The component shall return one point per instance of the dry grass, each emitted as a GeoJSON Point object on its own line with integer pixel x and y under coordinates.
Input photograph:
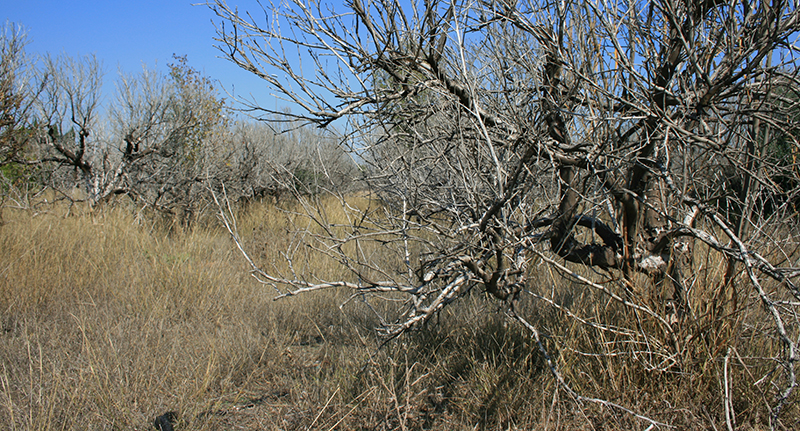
{"type": "Point", "coordinates": [108, 321]}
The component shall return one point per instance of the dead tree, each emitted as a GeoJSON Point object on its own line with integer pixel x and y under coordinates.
{"type": "Point", "coordinates": [590, 137]}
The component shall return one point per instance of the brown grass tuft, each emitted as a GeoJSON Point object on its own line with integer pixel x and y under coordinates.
{"type": "Point", "coordinates": [109, 321]}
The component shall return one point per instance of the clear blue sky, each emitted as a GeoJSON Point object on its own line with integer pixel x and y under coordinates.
{"type": "Point", "coordinates": [127, 34]}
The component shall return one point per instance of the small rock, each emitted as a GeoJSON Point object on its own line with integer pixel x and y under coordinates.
{"type": "Point", "coordinates": [164, 422]}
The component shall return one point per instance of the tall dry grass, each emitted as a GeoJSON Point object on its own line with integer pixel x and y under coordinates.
{"type": "Point", "coordinates": [107, 322]}
{"type": "Point", "coordinates": [110, 319]}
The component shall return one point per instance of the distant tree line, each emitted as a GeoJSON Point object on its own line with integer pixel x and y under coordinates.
{"type": "Point", "coordinates": [163, 139]}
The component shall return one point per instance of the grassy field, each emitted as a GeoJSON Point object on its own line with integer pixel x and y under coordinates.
{"type": "Point", "coordinates": [110, 319]}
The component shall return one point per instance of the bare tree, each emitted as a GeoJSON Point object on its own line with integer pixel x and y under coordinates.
{"type": "Point", "coordinates": [161, 140]}
{"type": "Point", "coordinates": [68, 115]}
{"type": "Point", "coordinates": [153, 143]}
{"type": "Point", "coordinates": [605, 140]}
{"type": "Point", "coordinates": [265, 160]}
{"type": "Point", "coordinates": [174, 130]}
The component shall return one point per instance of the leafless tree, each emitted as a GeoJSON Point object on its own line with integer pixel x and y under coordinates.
{"type": "Point", "coordinates": [173, 131]}
{"type": "Point", "coordinates": [151, 143]}
{"type": "Point", "coordinates": [283, 158]}
{"type": "Point", "coordinates": [607, 141]}
{"type": "Point", "coordinates": [161, 140]}
{"type": "Point", "coordinates": [68, 115]}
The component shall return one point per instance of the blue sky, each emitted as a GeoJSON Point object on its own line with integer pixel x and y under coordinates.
{"type": "Point", "coordinates": [127, 34]}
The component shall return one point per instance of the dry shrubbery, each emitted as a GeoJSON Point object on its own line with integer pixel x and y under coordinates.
{"type": "Point", "coordinates": [580, 215]}
{"type": "Point", "coordinates": [619, 178]}
{"type": "Point", "coordinates": [109, 321]}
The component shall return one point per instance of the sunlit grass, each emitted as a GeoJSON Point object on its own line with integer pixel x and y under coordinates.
{"type": "Point", "coordinates": [109, 320]}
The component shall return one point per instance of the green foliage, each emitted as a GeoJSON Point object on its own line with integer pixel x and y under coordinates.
{"type": "Point", "coordinates": [782, 148]}
{"type": "Point", "coordinates": [15, 174]}
{"type": "Point", "coordinates": [14, 132]}
{"type": "Point", "coordinates": [305, 179]}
